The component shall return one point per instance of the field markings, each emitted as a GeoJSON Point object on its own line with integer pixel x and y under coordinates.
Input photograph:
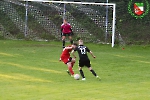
{"type": "Point", "coordinates": [31, 68]}
{"type": "Point", "coordinates": [22, 78]}
{"type": "Point", "coordinates": [142, 61]}
{"type": "Point", "coordinates": [146, 62]}
{"type": "Point", "coordinates": [30, 51]}
{"type": "Point", "coordinates": [34, 68]}
{"type": "Point", "coordinates": [127, 56]}
{"type": "Point", "coordinates": [6, 54]}
{"type": "Point", "coordinates": [9, 55]}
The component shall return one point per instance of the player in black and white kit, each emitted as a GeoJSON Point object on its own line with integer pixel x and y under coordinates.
{"type": "Point", "coordinates": [83, 59]}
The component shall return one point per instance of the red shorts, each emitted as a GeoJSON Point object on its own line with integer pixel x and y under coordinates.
{"type": "Point", "coordinates": [66, 59]}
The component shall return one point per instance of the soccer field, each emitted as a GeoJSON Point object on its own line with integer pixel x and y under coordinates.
{"type": "Point", "coordinates": [30, 70]}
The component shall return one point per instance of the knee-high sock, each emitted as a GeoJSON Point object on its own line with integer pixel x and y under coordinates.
{"type": "Point", "coordinates": [71, 41]}
{"type": "Point", "coordinates": [63, 43]}
{"type": "Point", "coordinates": [93, 72]}
{"type": "Point", "coordinates": [72, 64]}
{"type": "Point", "coordinates": [71, 70]}
{"type": "Point", "coordinates": [82, 74]}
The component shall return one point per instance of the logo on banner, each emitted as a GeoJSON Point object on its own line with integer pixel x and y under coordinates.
{"type": "Point", "coordinates": [138, 9]}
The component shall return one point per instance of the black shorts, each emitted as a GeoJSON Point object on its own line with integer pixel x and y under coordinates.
{"type": "Point", "coordinates": [83, 63]}
{"type": "Point", "coordinates": [69, 60]}
{"type": "Point", "coordinates": [67, 34]}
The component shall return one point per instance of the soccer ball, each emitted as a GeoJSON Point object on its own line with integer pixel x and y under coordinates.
{"type": "Point", "coordinates": [76, 76]}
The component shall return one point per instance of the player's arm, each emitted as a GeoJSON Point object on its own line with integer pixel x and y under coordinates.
{"type": "Point", "coordinates": [61, 31]}
{"type": "Point", "coordinates": [59, 59]}
{"type": "Point", "coordinates": [68, 48]}
{"type": "Point", "coordinates": [92, 54]}
{"type": "Point", "coordinates": [88, 50]}
{"type": "Point", "coordinates": [71, 31]}
{"type": "Point", "coordinates": [73, 53]}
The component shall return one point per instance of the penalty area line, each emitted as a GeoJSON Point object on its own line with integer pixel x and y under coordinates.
{"type": "Point", "coordinates": [22, 77]}
{"type": "Point", "coordinates": [30, 67]}
{"type": "Point", "coordinates": [142, 61]}
{"type": "Point", "coordinates": [127, 56]}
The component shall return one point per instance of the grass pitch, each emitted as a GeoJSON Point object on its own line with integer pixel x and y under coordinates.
{"type": "Point", "coordinates": [30, 70]}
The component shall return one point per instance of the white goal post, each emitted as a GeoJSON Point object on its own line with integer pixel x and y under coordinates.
{"type": "Point", "coordinates": [88, 3]}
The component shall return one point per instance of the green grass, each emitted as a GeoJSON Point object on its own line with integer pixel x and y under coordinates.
{"type": "Point", "coordinates": [30, 70]}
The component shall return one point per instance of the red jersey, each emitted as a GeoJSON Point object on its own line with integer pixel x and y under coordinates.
{"type": "Point", "coordinates": [65, 55]}
{"type": "Point", "coordinates": [66, 52]}
{"type": "Point", "coordinates": [66, 28]}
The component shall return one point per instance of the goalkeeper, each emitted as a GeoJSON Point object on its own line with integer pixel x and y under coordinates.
{"type": "Point", "coordinates": [66, 31]}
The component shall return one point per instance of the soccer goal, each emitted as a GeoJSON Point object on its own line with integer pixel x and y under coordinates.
{"type": "Point", "coordinates": [87, 19]}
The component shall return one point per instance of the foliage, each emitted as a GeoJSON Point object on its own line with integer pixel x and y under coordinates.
{"type": "Point", "coordinates": [8, 24]}
{"type": "Point", "coordinates": [132, 30]}
{"type": "Point", "coordinates": [32, 23]}
{"type": "Point", "coordinates": [1, 35]}
{"type": "Point", "coordinates": [85, 21]}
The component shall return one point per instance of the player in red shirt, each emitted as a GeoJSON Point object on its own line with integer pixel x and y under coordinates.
{"type": "Point", "coordinates": [65, 57]}
{"type": "Point", "coordinates": [66, 31]}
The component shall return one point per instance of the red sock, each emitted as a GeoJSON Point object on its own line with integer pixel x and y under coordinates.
{"type": "Point", "coordinates": [71, 71]}
{"type": "Point", "coordinates": [72, 64]}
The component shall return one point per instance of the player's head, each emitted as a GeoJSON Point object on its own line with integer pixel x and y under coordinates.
{"type": "Point", "coordinates": [65, 21]}
{"type": "Point", "coordinates": [74, 45]}
{"type": "Point", "coordinates": [80, 42]}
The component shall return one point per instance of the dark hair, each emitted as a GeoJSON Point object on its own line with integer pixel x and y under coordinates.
{"type": "Point", "coordinates": [75, 44]}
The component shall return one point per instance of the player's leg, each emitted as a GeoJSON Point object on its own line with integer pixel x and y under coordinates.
{"type": "Point", "coordinates": [92, 71]}
{"type": "Point", "coordinates": [70, 38]}
{"type": "Point", "coordinates": [81, 73]}
{"type": "Point", "coordinates": [70, 68]}
{"type": "Point", "coordinates": [81, 64]}
{"type": "Point", "coordinates": [88, 64]}
{"type": "Point", "coordinates": [73, 62]}
{"type": "Point", "coordinates": [69, 64]}
{"type": "Point", "coordinates": [67, 61]}
{"type": "Point", "coordinates": [63, 39]}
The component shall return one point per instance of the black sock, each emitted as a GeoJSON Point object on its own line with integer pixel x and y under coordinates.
{"type": "Point", "coordinates": [93, 72]}
{"type": "Point", "coordinates": [71, 41]}
{"type": "Point", "coordinates": [63, 43]}
{"type": "Point", "coordinates": [82, 74]}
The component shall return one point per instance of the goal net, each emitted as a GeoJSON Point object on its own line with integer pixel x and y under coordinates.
{"type": "Point", "coordinates": [41, 19]}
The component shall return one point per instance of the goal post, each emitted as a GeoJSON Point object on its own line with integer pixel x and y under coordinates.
{"type": "Point", "coordinates": [113, 6]}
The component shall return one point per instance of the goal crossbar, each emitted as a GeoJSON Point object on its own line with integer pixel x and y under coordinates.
{"type": "Point", "coordinates": [75, 2]}
{"type": "Point", "coordinates": [88, 3]}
